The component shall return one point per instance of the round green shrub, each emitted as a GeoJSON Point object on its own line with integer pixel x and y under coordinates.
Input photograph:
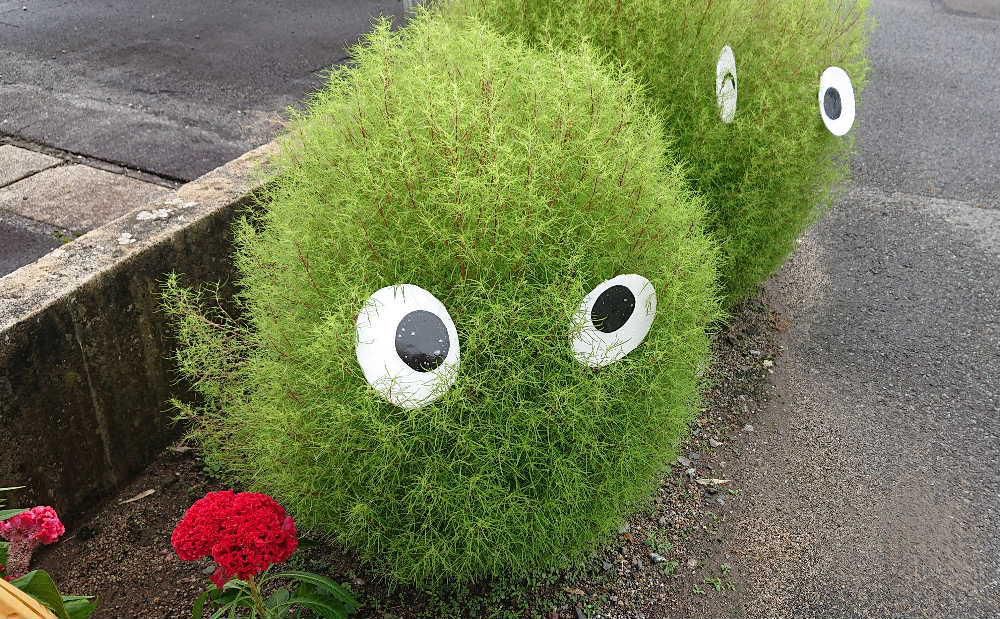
{"type": "Point", "coordinates": [767, 175]}
{"type": "Point", "coordinates": [509, 183]}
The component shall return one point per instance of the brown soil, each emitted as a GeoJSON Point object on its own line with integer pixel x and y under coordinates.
{"type": "Point", "coordinates": [664, 563]}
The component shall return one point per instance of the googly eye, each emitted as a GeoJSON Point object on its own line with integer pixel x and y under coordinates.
{"type": "Point", "coordinates": [836, 101]}
{"type": "Point", "coordinates": [726, 86]}
{"type": "Point", "coordinates": [407, 345]}
{"type": "Point", "coordinates": [613, 320]}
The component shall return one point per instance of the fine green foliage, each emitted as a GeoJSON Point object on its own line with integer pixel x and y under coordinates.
{"type": "Point", "coordinates": [509, 183]}
{"type": "Point", "coordinates": [771, 172]}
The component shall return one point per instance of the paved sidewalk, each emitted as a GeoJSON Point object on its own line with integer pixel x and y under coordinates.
{"type": "Point", "coordinates": [19, 245]}
{"type": "Point", "coordinates": [46, 200]}
{"type": "Point", "coordinates": [170, 89]}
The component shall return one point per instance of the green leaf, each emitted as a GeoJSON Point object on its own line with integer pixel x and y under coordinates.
{"type": "Point", "coordinates": [198, 611]}
{"type": "Point", "coordinates": [39, 585]}
{"type": "Point", "coordinates": [4, 554]}
{"type": "Point", "coordinates": [10, 513]}
{"type": "Point", "coordinates": [79, 607]}
{"type": "Point", "coordinates": [238, 585]}
{"type": "Point", "coordinates": [320, 607]}
{"type": "Point", "coordinates": [324, 584]}
{"type": "Point", "coordinates": [279, 597]}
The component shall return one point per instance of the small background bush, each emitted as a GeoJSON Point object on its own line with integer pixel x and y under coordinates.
{"type": "Point", "coordinates": [509, 183]}
{"type": "Point", "coordinates": [768, 174]}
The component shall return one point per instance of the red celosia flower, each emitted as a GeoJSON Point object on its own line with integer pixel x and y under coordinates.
{"type": "Point", "coordinates": [26, 532]}
{"type": "Point", "coordinates": [245, 533]}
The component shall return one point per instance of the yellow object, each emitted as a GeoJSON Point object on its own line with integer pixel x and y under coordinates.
{"type": "Point", "coordinates": [16, 604]}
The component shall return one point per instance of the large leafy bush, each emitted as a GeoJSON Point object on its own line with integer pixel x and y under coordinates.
{"type": "Point", "coordinates": [509, 183]}
{"type": "Point", "coordinates": [767, 175]}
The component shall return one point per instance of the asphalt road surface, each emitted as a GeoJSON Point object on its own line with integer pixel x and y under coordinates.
{"type": "Point", "coordinates": [871, 486]}
{"type": "Point", "coordinates": [174, 88]}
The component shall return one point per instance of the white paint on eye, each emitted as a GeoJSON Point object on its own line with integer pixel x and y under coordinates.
{"type": "Point", "coordinates": [839, 81]}
{"type": "Point", "coordinates": [726, 84]}
{"type": "Point", "coordinates": [596, 349]}
{"type": "Point", "coordinates": [384, 370]}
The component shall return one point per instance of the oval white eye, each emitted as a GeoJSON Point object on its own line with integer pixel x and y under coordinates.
{"type": "Point", "coordinates": [613, 320]}
{"type": "Point", "coordinates": [726, 86]}
{"type": "Point", "coordinates": [836, 100]}
{"type": "Point", "coordinates": [407, 345]}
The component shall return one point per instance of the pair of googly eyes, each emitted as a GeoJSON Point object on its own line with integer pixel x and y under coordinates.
{"type": "Point", "coordinates": [836, 94]}
{"type": "Point", "coordinates": [408, 346]}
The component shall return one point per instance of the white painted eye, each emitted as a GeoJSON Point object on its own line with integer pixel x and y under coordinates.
{"type": "Point", "coordinates": [613, 320]}
{"type": "Point", "coordinates": [407, 345]}
{"type": "Point", "coordinates": [726, 86]}
{"type": "Point", "coordinates": [836, 100]}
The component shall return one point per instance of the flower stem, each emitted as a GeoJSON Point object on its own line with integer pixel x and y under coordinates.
{"type": "Point", "coordinates": [258, 599]}
{"type": "Point", "coordinates": [19, 558]}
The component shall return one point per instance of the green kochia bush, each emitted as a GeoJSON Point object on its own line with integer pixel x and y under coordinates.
{"type": "Point", "coordinates": [509, 183]}
{"type": "Point", "coordinates": [768, 174]}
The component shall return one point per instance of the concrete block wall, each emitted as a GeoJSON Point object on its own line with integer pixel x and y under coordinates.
{"type": "Point", "coordinates": [85, 354]}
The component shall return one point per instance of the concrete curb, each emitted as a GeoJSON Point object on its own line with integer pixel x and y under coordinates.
{"type": "Point", "coordinates": [85, 356]}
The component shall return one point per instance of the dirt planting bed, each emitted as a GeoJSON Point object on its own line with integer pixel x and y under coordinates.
{"type": "Point", "coordinates": [665, 562]}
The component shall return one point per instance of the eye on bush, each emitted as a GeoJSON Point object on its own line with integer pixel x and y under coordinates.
{"type": "Point", "coordinates": [768, 173]}
{"type": "Point", "coordinates": [508, 184]}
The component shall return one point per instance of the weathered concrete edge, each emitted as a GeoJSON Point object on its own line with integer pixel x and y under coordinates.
{"type": "Point", "coordinates": [85, 354]}
{"type": "Point", "coordinates": [31, 289]}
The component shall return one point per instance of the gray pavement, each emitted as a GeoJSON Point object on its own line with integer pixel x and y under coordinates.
{"type": "Point", "coordinates": [173, 88]}
{"type": "Point", "coordinates": [47, 200]}
{"type": "Point", "coordinates": [22, 242]}
{"type": "Point", "coordinates": [871, 487]}
{"type": "Point", "coordinates": [77, 198]}
{"type": "Point", "coordinates": [931, 118]}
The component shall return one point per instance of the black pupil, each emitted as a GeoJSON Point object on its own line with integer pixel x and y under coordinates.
{"type": "Point", "coordinates": [422, 341]}
{"type": "Point", "coordinates": [612, 309]}
{"type": "Point", "coordinates": [831, 103]}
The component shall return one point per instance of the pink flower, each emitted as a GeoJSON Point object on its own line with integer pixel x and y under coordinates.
{"type": "Point", "coordinates": [26, 532]}
{"type": "Point", "coordinates": [38, 524]}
